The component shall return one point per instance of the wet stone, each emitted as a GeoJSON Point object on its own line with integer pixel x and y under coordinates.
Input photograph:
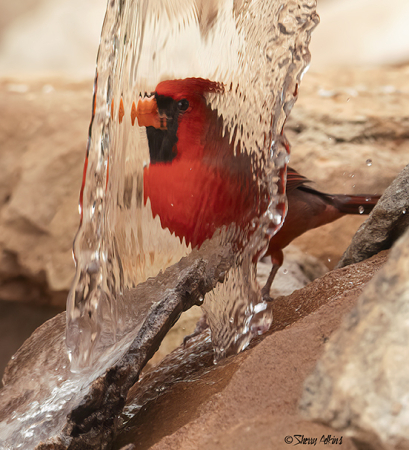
{"type": "Point", "coordinates": [387, 222]}
{"type": "Point", "coordinates": [360, 384]}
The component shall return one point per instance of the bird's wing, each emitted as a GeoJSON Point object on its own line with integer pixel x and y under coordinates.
{"type": "Point", "coordinates": [295, 180]}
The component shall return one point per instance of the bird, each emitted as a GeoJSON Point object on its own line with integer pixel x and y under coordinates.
{"type": "Point", "coordinates": [197, 181]}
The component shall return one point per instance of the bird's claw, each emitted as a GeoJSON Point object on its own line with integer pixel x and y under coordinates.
{"type": "Point", "coordinates": [265, 295]}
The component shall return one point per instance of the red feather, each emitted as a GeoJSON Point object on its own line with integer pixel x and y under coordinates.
{"type": "Point", "coordinates": [205, 186]}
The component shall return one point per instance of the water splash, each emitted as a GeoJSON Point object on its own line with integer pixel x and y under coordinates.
{"type": "Point", "coordinates": [143, 206]}
{"type": "Point", "coordinates": [40, 390]}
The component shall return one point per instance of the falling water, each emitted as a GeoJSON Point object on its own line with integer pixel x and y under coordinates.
{"type": "Point", "coordinates": [145, 203]}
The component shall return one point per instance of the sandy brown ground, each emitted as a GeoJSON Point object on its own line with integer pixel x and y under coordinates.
{"type": "Point", "coordinates": [249, 400]}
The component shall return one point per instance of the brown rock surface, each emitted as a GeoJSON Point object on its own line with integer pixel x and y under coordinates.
{"type": "Point", "coordinates": [250, 400]}
{"type": "Point", "coordinates": [360, 385]}
{"type": "Point", "coordinates": [388, 221]}
{"type": "Point", "coordinates": [43, 136]}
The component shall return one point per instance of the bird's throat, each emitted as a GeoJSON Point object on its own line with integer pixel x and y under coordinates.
{"type": "Point", "coordinates": [162, 145]}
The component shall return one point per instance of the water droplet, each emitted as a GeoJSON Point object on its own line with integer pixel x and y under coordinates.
{"type": "Point", "coordinates": [369, 162]}
{"type": "Point", "coordinates": [404, 211]}
{"type": "Point", "coordinates": [281, 158]}
{"type": "Point", "coordinates": [285, 271]}
{"type": "Point", "coordinates": [329, 259]}
{"type": "Point", "coordinates": [275, 217]}
{"type": "Point", "coordinates": [361, 210]}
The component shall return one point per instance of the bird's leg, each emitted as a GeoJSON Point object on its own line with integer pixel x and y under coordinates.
{"type": "Point", "coordinates": [277, 258]}
{"type": "Point", "coordinates": [265, 290]}
{"type": "Point", "coordinates": [201, 325]}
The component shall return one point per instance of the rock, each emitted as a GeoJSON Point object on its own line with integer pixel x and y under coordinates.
{"type": "Point", "coordinates": [249, 400]}
{"type": "Point", "coordinates": [174, 338]}
{"type": "Point", "coordinates": [360, 385]}
{"type": "Point", "coordinates": [43, 142]}
{"type": "Point", "coordinates": [349, 129]}
{"type": "Point", "coordinates": [387, 222]}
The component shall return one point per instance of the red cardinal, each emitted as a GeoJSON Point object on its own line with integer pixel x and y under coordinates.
{"type": "Point", "coordinates": [196, 183]}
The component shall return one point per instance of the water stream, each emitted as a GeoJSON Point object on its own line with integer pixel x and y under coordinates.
{"type": "Point", "coordinates": [185, 143]}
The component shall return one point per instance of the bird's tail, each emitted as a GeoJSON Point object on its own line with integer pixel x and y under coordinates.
{"type": "Point", "coordinates": [347, 204]}
{"type": "Point", "coordinates": [354, 204]}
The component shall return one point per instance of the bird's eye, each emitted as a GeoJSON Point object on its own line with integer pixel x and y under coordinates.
{"type": "Point", "coordinates": [183, 105]}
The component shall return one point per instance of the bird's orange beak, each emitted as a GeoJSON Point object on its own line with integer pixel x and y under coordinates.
{"type": "Point", "coordinates": [147, 113]}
